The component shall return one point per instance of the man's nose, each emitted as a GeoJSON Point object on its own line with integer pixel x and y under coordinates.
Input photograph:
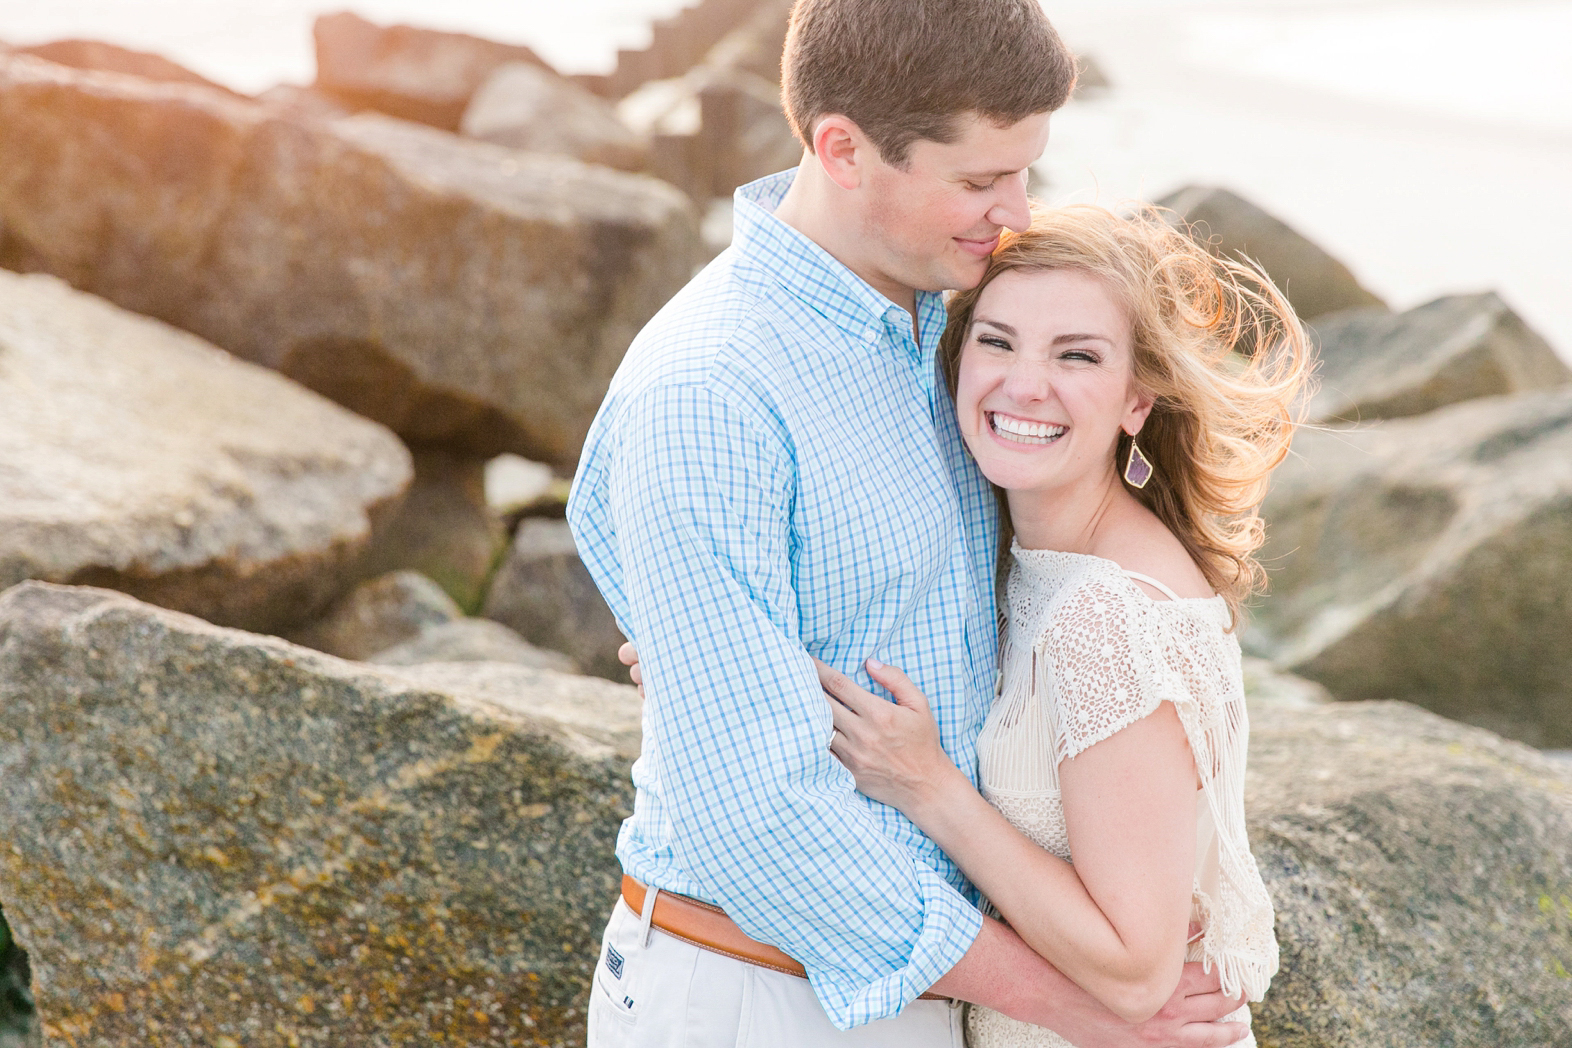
{"type": "Point", "coordinates": [1010, 208]}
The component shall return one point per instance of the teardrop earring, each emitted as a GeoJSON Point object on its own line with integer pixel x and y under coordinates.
{"type": "Point", "coordinates": [1137, 469]}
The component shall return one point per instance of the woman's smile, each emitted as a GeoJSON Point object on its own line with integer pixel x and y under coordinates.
{"type": "Point", "coordinates": [1015, 430]}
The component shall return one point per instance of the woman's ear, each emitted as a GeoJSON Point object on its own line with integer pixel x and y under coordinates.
{"type": "Point", "coordinates": [1136, 414]}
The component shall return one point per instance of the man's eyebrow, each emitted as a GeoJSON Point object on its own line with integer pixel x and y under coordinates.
{"type": "Point", "coordinates": [1007, 329]}
{"type": "Point", "coordinates": [978, 176]}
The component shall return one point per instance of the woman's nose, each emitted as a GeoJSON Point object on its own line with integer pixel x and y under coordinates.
{"type": "Point", "coordinates": [1029, 382]}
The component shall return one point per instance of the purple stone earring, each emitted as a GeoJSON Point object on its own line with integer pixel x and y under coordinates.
{"type": "Point", "coordinates": [1137, 470]}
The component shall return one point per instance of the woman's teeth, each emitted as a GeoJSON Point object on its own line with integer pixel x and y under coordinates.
{"type": "Point", "coordinates": [1024, 432]}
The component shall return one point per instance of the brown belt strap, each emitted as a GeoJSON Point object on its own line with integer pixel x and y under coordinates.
{"type": "Point", "coordinates": [707, 927]}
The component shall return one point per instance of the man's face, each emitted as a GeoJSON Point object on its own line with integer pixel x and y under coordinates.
{"type": "Point", "coordinates": [932, 225]}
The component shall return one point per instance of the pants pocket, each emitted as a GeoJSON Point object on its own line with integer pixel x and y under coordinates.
{"type": "Point", "coordinates": [618, 990]}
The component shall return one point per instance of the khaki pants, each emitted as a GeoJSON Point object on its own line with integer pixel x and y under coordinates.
{"type": "Point", "coordinates": [655, 991]}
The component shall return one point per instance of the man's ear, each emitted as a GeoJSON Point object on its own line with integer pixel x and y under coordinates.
{"type": "Point", "coordinates": [842, 150]}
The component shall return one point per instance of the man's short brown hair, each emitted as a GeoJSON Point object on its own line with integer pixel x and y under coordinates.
{"type": "Point", "coordinates": [905, 70]}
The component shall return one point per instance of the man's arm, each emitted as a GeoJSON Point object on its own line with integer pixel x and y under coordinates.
{"type": "Point", "coordinates": [761, 815]}
{"type": "Point", "coordinates": [1003, 973]}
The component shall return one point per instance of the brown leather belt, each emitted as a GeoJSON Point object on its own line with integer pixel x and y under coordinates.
{"type": "Point", "coordinates": [707, 927]}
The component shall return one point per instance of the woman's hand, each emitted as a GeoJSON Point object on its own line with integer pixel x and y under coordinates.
{"type": "Point", "coordinates": [891, 748]}
{"type": "Point", "coordinates": [628, 655]}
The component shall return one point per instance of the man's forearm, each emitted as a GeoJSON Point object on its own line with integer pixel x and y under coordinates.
{"type": "Point", "coordinates": [1001, 972]}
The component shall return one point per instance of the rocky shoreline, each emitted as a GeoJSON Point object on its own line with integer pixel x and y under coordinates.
{"type": "Point", "coordinates": [314, 731]}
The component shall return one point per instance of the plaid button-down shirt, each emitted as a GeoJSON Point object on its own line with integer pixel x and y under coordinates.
{"type": "Point", "coordinates": [776, 471]}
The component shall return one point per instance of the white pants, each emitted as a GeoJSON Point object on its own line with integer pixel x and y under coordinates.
{"type": "Point", "coordinates": [655, 991]}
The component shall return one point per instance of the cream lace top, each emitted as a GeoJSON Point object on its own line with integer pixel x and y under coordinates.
{"type": "Point", "coordinates": [1086, 653]}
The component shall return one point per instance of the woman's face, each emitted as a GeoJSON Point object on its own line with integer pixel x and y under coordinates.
{"type": "Point", "coordinates": [1046, 380]}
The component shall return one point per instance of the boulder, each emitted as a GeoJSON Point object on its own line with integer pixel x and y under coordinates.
{"type": "Point", "coordinates": [523, 106]}
{"type": "Point", "coordinates": [1427, 559]}
{"type": "Point", "coordinates": [1376, 364]}
{"type": "Point", "coordinates": [686, 38]}
{"type": "Point", "coordinates": [1421, 872]}
{"type": "Point", "coordinates": [139, 457]}
{"type": "Point", "coordinates": [445, 529]}
{"type": "Point", "coordinates": [713, 117]}
{"type": "Point", "coordinates": [472, 640]}
{"type": "Point", "coordinates": [1313, 281]}
{"type": "Point", "coordinates": [219, 838]}
{"type": "Point", "coordinates": [514, 484]}
{"type": "Point", "coordinates": [713, 129]}
{"type": "Point", "coordinates": [467, 295]}
{"type": "Point", "coordinates": [545, 594]}
{"type": "Point", "coordinates": [111, 58]}
{"type": "Point", "coordinates": [416, 74]}
{"type": "Point", "coordinates": [380, 614]}
{"type": "Point", "coordinates": [302, 103]}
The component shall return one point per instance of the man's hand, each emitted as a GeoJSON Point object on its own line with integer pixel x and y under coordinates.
{"type": "Point", "coordinates": [1188, 1020]}
{"type": "Point", "coordinates": [1001, 972]}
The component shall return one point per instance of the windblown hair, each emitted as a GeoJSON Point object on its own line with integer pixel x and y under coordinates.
{"type": "Point", "coordinates": [1218, 348]}
{"type": "Point", "coordinates": [904, 70]}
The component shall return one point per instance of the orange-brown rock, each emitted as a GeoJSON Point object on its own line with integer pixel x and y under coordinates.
{"type": "Point", "coordinates": [464, 294]}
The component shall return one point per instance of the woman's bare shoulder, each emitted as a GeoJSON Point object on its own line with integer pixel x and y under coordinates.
{"type": "Point", "coordinates": [1138, 541]}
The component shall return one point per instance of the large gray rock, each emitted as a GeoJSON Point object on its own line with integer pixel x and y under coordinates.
{"type": "Point", "coordinates": [1376, 364]}
{"type": "Point", "coordinates": [379, 614]}
{"type": "Point", "coordinates": [545, 594]}
{"type": "Point", "coordinates": [1422, 875]}
{"type": "Point", "coordinates": [524, 106]}
{"type": "Point", "coordinates": [472, 640]}
{"type": "Point", "coordinates": [1313, 281]}
{"type": "Point", "coordinates": [417, 74]}
{"type": "Point", "coordinates": [464, 294]}
{"type": "Point", "coordinates": [136, 456]}
{"type": "Point", "coordinates": [216, 838]}
{"type": "Point", "coordinates": [1428, 559]}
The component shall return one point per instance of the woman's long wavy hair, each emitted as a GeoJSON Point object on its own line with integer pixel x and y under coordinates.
{"type": "Point", "coordinates": [1217, 347]}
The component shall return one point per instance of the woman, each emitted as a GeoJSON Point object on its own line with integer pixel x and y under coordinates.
{"type": "Point", "coordinates": [1128, 395]}
{"type": "Point", "coordinates": [1098, 385]}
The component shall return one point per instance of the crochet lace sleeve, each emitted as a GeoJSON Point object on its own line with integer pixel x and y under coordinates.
{"type": "Point", "coordinates": [1098, 652]}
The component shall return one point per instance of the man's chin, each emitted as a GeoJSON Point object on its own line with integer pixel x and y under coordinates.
{"type": "Point", "coordinates": [966, 274]}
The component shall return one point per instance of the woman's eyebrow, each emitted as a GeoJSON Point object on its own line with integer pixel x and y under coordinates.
{"type": "Point", "coordinates": [1058, 339]}
{"type": "Point", "coordinates": [1007, 329]}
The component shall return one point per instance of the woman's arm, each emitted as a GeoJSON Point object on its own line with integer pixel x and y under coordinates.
{"type": "Point", "coordinates": [1115, 922]}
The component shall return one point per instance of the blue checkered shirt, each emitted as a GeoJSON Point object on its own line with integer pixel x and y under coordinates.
{"type": "Point", "coordinates": [776, 472]}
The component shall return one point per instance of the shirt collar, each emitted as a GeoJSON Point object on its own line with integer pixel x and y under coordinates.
{"type": "Point", "coordinates": [817, 278]}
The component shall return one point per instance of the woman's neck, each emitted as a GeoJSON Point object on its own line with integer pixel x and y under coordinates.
{"type": "Point", "coordinates": [1070, 519]}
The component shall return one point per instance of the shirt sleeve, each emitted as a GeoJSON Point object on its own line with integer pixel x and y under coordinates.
{"type": "Point", "coordinates": [762, 815]}
{"type": "Point", "coordinates": [1105, 664]}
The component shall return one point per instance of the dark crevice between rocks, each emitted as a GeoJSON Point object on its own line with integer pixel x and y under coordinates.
{"type": "Point", "coordinates": [18, 1015]}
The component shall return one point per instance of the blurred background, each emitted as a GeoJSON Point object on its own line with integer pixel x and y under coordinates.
{"type": "Point", "coordinates": [1427, 144]}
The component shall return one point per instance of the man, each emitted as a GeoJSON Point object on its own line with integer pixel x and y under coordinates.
{"type": "Point", "coordinates": [776, 473]}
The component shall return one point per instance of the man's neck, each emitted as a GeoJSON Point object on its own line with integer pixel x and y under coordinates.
{"type": "Point", "coordinates": [811, 208]}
